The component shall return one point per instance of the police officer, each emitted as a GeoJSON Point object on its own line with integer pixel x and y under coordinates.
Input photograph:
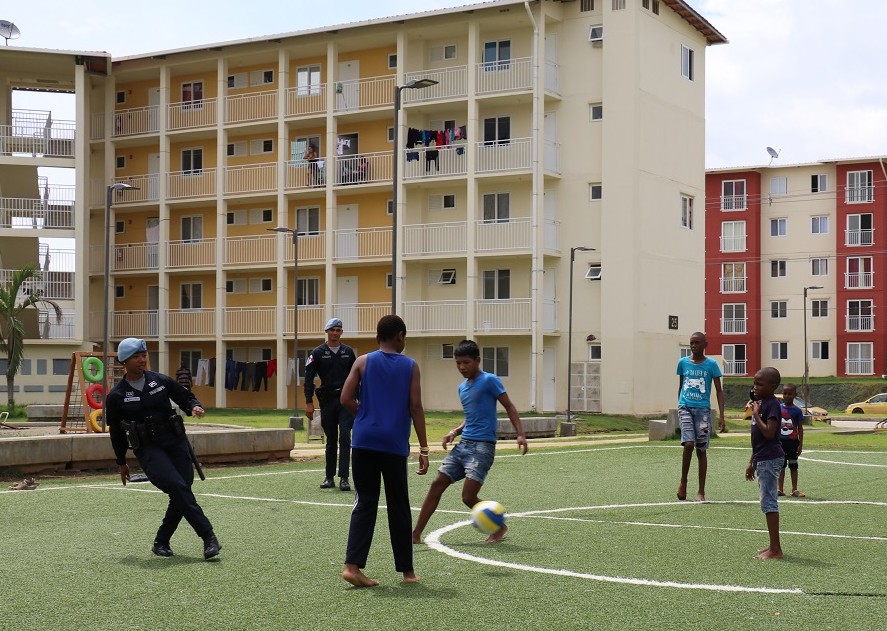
{"type": "Point", "coordinates": [331, 362]}
{"type": "Point", "coordinates": [139, 413]}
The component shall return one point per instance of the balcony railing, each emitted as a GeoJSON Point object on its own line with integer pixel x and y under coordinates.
{"type": "Point", "coordinates": [185, 115]}
{"type": "Point", "coordinates": [52, 284]}
{"type": "Point", "coordinates": [436, 316]}
{"type": "Point", "coordinates": [735, 367]}
{"type": "Point", "coordinates": [733, 325]}
{"type": "Point", "coordinates": [191, 253]}
{"type": "Point", "coordinates": [35, 132]}
{"type": "Point", "coordinates": [434, 161]}
{"type": "Point", "coordinates": [140, 324]}
{"type": "Point", "coordinates": [251, 321]}
{"type": "Point", "coordinates": [733, 244]}
{"type": "Point", "coordinates": [312, 248]}
{"type": "Point", "coordinates": [452, 83]}
{"type": "Point", "coordinates": [733, 202]}
{"type": "Point", "coordinates": [51, 328]}
{"type": "Point", "coordinates": [251, 178]}
{"type": "Point", "coordinates": [505, 76]}
{"type": "Point", "coordinates": [194, 183]}
{"type": "Point", "coordinates": [859, 194]}
{"type": "Point", "coordinates": [306, 100]}
{"type": "Point", "coordinates": [359, 94]}
{"type": "Point", "coordinates": [435, 238]}
{"type": "Point", "coordinates": [361, 318]}
{"type": "Point", "coordinates": [860, 323]}
{"type": "Point", "coordinates": [130, 258]}
{"type": "Point", "coordinates": [362, 242]}
{"type": "Point", "coordinates": [504, 155]}
{"type": "Point", "coordinates": [191, 322]}
{"type": "Point", "coordinates": [363, 168]}
{"type": "Point", "coordinates": [311, 319]}
{"type": "Point", "coordinates": [732, 285]}
{"type": "Point", "coordinates": [55, 210]}
{"type": "Point", "coordinates": [136, 120]}
{"type": "Point", "coordinates": [97, 126]}
{"type": "Point", "coordinates": [859, 237]}
{"type": "Point", "coordinates": [860, 366]}
{"type": "Point", "coordinates": [251, 250]}
{"type": "Point", "coordinates": [859, 280]}
{"type": "Point", "coordinates": [147, 189]}
{"type": "Point", "coordinates": [302, 174]}
{"type": "Point", "coordinates": [514, 234]}
{"type": "Point", "coordinates": [502, 315]}
{"type": "Point", "coordinates": [254, 106]}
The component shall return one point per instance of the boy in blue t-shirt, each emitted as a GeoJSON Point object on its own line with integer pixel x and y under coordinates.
{"type": "Point", "coordinates": [472, 457]}
{"type": "Point", "coordinates": [792, 437]}
{"type": "Point", "coordinates": [696, 374]}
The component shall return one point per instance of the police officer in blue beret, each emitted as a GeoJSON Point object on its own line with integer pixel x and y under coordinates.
{"type": "Point", "coordinates": [139, 414]}
{"type": "Point", "coordinates": [331, 361]}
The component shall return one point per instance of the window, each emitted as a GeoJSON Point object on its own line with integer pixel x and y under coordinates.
{"type": "Point", "coordinates": [778, 185]}
{"type": "Point", "coordinates": [308, 80]}
{"type": "Point", "coordinates": [237, 149]}
{"type": "Point", "coordinates": [496, 284]}
{"type": "Point", "coordinates": [236, 218]}
{"type": "Point", "coordinates": [733, 236]}
{"type": "Point", "coordinates": [192, 94]}
{"type": "Point", "coordinates": [236, 286]}
{"type": "Point", "coordinates": [496, 207]}
{"type": "Point", "coordinates": [684, 351]}
{"type": "Point", "coordinates": [120, 162]}
{"type": "Point", "coordinates": [390, 134]}
{"type": "Point", "coordinates": [777, 268]}
{"type": "Point", "coordinates": [446, 351]}
{"type": "Point", "coordinates": [389, 207]}
{"type": "Point", "coordinates": [778, 309]}
{"type": "Point", "coordinates": [656, 7]}
{"type": "Point", "coordinates": [778, 227]}
{"type": "Point", "coordinates": [594, 272]}
{"type": "Point", "coordinates": [59, 366]}
{"type": "Point", "coordinates": [819, 224]}
{"type": "Point", "coordinates": [192, 228]}
{"type": "Point", "coordinates": [733, 318]}
{"type": "Point", "coordinates": [388, 282]}
{"type": "Point", "coordinates": [734, 359]}
{"type": "Point", "coordinates": [687, 69]}
{"type": "Point", "coordinates": [261, 77]}
{"type": "Point", "coordinates": [586, 5]}
{"type": "Point", "coordinates": [497, 55]}
{"type": "Point", "coordinates": [448, 202]}
{"type": "Point", "coordinates": [686, 211]}
{"type": "Point", "coordinates": [595, 191]}
{"type": "Point", "coordinates": [859, 230]}
{"type": "Point", "coordinates": [494, 359]}
{"type": "Point", "coordinates": [308, 291]}
{"type": "Point", "coordinates": [191, 296]}
{"type": "Point", "coordinates": [595, 111]}
{"type": "Point", "coordinates": [618, 5]}
{"type": "Point", "coordinates": [732, 277]}
{"type": "Point", "coordinates": [238, 80]}
{"type": "Point", "coordinates": [819, 267]}
{"type": "Point", "coordinates": [497, 130]}
{"type": "Point", "coordinates": [261, 215]}
{"type": "Point", "coordinates": [260, 285]}
{"type": "Point", "coordinates": [860, 315]}
{"type": "Point", "coordinates": [819, 308]}
{"type": "Point", "coordinates": [447, 277]}
{"type": "Point", "coordinates": [859, 358]}
{"type": "Point", "coordinates": [818, 183]}
{"type": "Point", "coordinates": [733, 195]}
{"type": "Point", "coordinates": [119, 291]}
{"type": "Point", "coordinates": [258, 147]}
{"type": "Point", "coordinates": [121, 97]}
{"type": "Point", "coordinates": [190, 358]}
{"type": "Point", "coordinates": [308, 221]}
{"type": "Point", "coordinates": [594, 352]}
{"type": "Point", "coordinates": [392, 61]}
{"type": "Point", "coordinates": [859, 273]}
{"type": "Point", "coordinates": [645, 4]}
{"type": "Point", "coordinates": [778, 350]}
{"type": "Point", "coordinates": [859, 187]}
{"type": "Point", "coordinates": [596, 33]}
{"type": "Point", "coordinates": [120, 226]}
{"type": "Point", "coordinates": [819, 349]}
{"type": "Point", "coordinates": [442, 53]}
{"type": "Point", "coordinates": [192, 161]}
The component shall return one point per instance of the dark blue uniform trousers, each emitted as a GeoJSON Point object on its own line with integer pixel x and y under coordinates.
{"type": "Point", "coordinates": [336, 422]}
{"type": "Point", "coordinates": [167, 463]}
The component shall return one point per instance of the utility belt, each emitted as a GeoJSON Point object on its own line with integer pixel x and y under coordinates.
{"type": "Point", "coordinates": [330, 394]}
{"type": "Point", "coordinates": [152, 429]}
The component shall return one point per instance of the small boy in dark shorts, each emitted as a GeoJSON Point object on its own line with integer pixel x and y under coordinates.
{"type": "Point", "coordinates": [792, 437]}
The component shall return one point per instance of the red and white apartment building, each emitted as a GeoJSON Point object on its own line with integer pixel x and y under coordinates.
{"type": "Point", "coordinates": [796, 256]}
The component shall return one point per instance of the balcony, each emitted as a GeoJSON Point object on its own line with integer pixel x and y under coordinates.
{"type": "Point", "coordinates": [35, 133]}
{"type": "Point", "coordinates": [147, 190]}
{"type": "Point", "coordinates": [433, 161]}
{"type": "Point", "coordinates": [497, 236]}
{"type": "Point", "coordinates": [860, 367]}
{"type": "Point", "coordinates": [49, 326]}
{"type": "Point", "coordinates": [194, 183]}
{"type": "Point", "coordinates": [311, 320]}
{"type": "Point", "coordinates": [252, 250]}
{"type": "Point", "coordinates": [859, 194]}
{"type": "Point", "coordinates": [191, 323]}
{"type": "Point", "coordinates": [141, 324]}
{"type": "Point", "coordinates": [435, 239]}
{"type": "Point", "coordinates": [308, 100]}
{"type": "Point", "coordinates": [302, 175]}
{"type": "Point", "coordinates": [361, 94]}
{"type": "Point", "coordinates": [859, 280]}
{"type": "Point", "coordinates": [859, 237]}
{"type": "Point", "coordinates": [733, 244]}
{"type": "Point", "coordinates": [362, 243]}
{"type": "Point", "coordinates": [133, 257]}
{"type": "Point", "coordinates": [505, 76]}
{"type": "Point", "coordinates": [251, 178]}
{"type": "Point", "coordinates": [191, 253]}
{"type": "Point", "coordinates": [504, 155]}
{"type": "Point", "coordinates": [191, 115]}
{"type": "Point", "coordinates": [733, 202]}
{"type": "Point", "coordinates": [135, 121]}
{"type": "Point", "coordinates": [733, 325]}
{"type": "Point", "coordinates": [251, 321]}
{"type": "Point", "coordinates": [52, 284]}
{"type": "Point", "coordinates": [363, 168]}
{"type": "Point", "coordinates": [452, 83]}
{"type": "Point", "coordinates": [361, 318]}
{"type": "Point", "coordinates": [732, 285]}
{"type": "Point", "coordinates": [251, 107]}
{"type": "Point", "coordinates": [312, 248]}
{"type": "Point", "coordinates": [735, 368]}
{"type": "Point", "coordinates": [436, 316]}
{"type": "Point", "coordinates": [860, 322]}
{"type": "Point", "coordinates": [502, 315]}
{"type": "Point", "coordinates": [54, 210]}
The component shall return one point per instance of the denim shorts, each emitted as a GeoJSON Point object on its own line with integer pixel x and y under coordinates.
{"type": "Point", "coordinates": [695, 426]}
{"type": "Point", "coordinates": [470, 459]}
{"type": "Point", "coordinates": [768, 480]}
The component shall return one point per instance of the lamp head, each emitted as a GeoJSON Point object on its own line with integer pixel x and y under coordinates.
{"type": "Point", "coordinates": [280, 229]}
{"type": "Point", "coordinates": [420, 83]}
{"type": "Point", "coordinates": [123, 186]}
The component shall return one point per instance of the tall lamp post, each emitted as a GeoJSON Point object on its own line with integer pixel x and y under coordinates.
{"type": "Point", "coordinates": [806, 385]}
{"type": "Point", "coordinates": [295, 419]}
{"type": "Point", "coordinates": [415, 84]}
{"type": "Point", "coordinates": [578, 248]}
{"type": "Point", "coordinates": [109, 198]}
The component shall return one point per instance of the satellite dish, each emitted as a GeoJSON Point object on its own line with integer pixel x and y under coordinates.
{"type": "Point", "coordinates": [9, 31]}
{"type": "Point", "coordinates": [773, 154]}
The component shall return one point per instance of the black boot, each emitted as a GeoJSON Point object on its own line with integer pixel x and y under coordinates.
{"type": "Point", "coordinates": [327, 483]}
{"type": "Point", "coordinates": [161, 549]}
{"type": "Point", "coordinates": [211, 546]}
{"type": "Point", "coordinates": [343, 484]}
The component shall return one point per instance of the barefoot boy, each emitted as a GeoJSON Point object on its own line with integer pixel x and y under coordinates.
{"type": "Point", "coordinates": [767, 455]}
{"type": "Point", "coordinates": [696, 374]}
{"type": "Point", "coordinates": [473, 456]}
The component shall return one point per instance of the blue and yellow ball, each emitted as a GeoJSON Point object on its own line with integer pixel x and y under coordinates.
{"type": "Point", "coordinates": [488, 516]}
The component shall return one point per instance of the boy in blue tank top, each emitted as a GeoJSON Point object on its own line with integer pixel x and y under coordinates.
{"type": "Point", "coordinates": [472, 457]}
{"type": "Point", "coordinates": [383, 392]}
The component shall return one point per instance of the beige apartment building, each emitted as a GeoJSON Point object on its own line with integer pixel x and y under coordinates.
{"type": "Point", "coordinates": [558, 153]}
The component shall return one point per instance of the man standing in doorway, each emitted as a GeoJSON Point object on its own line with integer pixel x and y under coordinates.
{"type": "Point", "coordinates": [331, 361]}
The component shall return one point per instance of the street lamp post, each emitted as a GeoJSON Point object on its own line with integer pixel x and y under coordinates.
{"type": "Point", "coordinates": [806, 384]}
{"type": "Point", "coordinates": [415, 84]}
{"type": "Point", "coordinates": [295, 419]}
{"type": "Point", "coordinates": [109, 198]}
{"type": "Point", "coordinates": [573, 250]}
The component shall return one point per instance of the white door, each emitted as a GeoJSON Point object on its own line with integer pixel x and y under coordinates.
{"type": "Point", "coordinates": [154, 106]}
{"type": "Point", "coordinates": [152, 237]}
{"type": "Point", "coordinates": [153, 308]}
{"type": "Point", "coordinates": [346, 232]}
{"type": "Point", "coordinates": [153, 192]}
{"type": "Point", "coordinates": [549, 300]}
{"type": "Point", "coordinates": [348, 86]}
{"type": "Point", "coordinates": [549, 385]}
{"type": "Point", "coordinates": [551, 67]}
{"type": "Point", "coordinates": [551, 239]}
{"type": "Point", "coordinates": [550, 152]}
{"type": "Point", "coordinates": [346, 303]}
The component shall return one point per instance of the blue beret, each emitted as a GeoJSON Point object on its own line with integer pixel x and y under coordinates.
{"type": "Point", "coordinates": [333, 322]}
{"type": "Point", "coordinates": [129, 347]}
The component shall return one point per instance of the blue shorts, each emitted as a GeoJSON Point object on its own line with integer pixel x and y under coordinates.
{"type": "Point", "coordinates": [768, 480]}
{"type": "Point", "coordinates": [470, 459]}
{"type": "Point", "coordinates": [695, 426]}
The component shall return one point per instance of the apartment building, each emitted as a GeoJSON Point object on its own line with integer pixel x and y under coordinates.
{"type": "Point", "coordinates": [779, 234]}
{"type": "Point", "coordinates": [554, 161]}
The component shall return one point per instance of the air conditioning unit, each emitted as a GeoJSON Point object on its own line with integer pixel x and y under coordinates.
{"type": "Point", "coordinates": [596, 34]}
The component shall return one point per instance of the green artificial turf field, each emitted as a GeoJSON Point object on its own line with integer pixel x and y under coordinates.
{"type": "Point", "coordinates": [597, 540]}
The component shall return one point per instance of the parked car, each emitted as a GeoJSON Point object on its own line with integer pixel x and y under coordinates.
{"type": "Point", "coordinates": [876, 406]}
{"type": "Point", "coordinates": [818, 413]}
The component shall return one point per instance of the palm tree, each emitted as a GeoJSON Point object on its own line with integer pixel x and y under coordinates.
{"type": "Point", "coordinates": [13, 303]}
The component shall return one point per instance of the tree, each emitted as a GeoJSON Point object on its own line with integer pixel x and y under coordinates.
{"type": "Point", "coordinates": [13, 302]}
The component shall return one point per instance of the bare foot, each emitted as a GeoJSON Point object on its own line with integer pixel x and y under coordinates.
{"type": "Point", "coordinates": [410, 577]}
{"type": "Point", "coordinates": [498, 535]}
{"type": "Point", "coordinates": [700, 497]}
{"type": "Point", "coordinates": [358, 578]}
{"type": "Point", "coordinates": [682, 491]}
{"type": "Point", "coordinates": [767, 553]}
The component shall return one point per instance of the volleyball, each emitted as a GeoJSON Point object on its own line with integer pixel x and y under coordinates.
{"type": "Point", "coordinates": [488, 516]}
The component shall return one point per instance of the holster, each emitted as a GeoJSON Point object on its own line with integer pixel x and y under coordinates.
{"type": "Point", "coordinates": [325, 396]}
{"type": "Point", "coordinates": [150, 430]}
